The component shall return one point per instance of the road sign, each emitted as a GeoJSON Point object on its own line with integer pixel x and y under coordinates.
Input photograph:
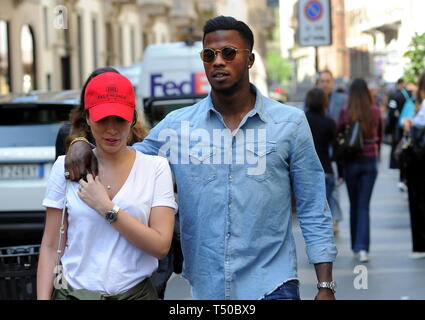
{"type": "Point", "coordinates": [314, 20]}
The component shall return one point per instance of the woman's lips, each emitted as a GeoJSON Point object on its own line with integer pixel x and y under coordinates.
{"type": "Point", "coordinates": [112, 141]}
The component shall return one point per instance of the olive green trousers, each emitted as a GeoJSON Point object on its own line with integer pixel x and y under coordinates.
{"type": "Point", "coordinates": [143, 291]}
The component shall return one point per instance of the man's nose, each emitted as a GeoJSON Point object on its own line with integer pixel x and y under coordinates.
{"type": "Point", "coordinates": [218, 60]}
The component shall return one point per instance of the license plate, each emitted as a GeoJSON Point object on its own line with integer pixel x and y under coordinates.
{"type": "Point", "coordinates": [21, 171]}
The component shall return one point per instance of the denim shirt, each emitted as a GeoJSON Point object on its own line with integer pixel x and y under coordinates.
{"type": "Point", "coordinates": [234, 192]}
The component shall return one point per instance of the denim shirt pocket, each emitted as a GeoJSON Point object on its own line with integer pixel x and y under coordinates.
{"type": "Point", "coordinates": [260, 153]}
{"type": "Point", "coordinates": [202, 169]}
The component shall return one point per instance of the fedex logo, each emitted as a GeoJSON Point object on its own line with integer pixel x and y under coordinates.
{"type": "Point", "coordinates": [197, 84]}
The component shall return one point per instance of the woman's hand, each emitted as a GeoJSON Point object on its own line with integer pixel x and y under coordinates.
{"type": "Point", "coordinates": [407, 123]}
{"type": "Point", "coordinates": [94, 194]}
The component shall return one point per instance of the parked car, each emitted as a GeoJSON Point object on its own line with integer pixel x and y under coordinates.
{"type": "Point", "coordinates": [28, 128]}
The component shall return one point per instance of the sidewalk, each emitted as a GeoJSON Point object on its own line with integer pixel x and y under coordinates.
{"type": "Point", "coordinates": [391, 274]}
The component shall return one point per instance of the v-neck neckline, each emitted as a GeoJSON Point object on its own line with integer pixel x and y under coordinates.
{"type": "Point", "coordinates": [114, 198]}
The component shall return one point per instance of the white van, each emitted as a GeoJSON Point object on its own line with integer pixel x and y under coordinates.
{"type": "Point", "coordinates": [171, 70]}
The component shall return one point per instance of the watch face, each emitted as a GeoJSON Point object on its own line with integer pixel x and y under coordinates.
{"type": "Point", "coordinates": [111, 216]}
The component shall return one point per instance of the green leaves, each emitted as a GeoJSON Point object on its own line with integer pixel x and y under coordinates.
{"type": "Point", "coordinates": [279, 69]}
{"type": "Point", "coordinates": [416, 55]}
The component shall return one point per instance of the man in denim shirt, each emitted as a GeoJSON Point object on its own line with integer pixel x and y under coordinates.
{"type": "Point", "coordinates": [236, 157]}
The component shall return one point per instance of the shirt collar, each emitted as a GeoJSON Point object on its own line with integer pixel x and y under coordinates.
{"type": "Point", "coordinates": [259, 107]}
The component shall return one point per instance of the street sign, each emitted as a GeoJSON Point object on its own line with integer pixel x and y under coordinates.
{"type": "Point", "coordinates": [314, 23]}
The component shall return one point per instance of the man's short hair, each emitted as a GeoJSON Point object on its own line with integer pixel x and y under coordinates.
{"type": "Point", "coordinates": [400, 81]}
{"type": "Point", "coordinates": [326, 71]}
{"type": "Point", "coordinates": [230, 23]}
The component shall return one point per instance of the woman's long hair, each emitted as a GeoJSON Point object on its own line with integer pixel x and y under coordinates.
{"type": "Point", "coordinates": [78, 116]}
{"type": "Point", "coordinates": [421, 88]}
{"type": "Point", "coordinates": [359, 107]}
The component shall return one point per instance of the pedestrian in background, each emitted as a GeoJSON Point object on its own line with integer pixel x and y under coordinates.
{"type": "Point", "coordinates": [396, 100]}
{"type": "Point", "coordinates": [415, 172]}
{"type": "Point", "coordinates": [323, 130]}
{"type": "Point", "coordinates": [361, 172]}
{"type": "Point", "coordinates": [336, 100]}
{"type": "Point", "coordinates": [120, 218]}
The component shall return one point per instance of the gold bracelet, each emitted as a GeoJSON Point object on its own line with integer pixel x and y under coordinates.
{"type": "Point", "coordinates": [81, 139]}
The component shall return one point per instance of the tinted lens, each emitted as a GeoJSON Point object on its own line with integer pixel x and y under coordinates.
{"type": "Point", "coordinates": [228, 53]}
{"type": "Point", "coordinates": [207, 55]}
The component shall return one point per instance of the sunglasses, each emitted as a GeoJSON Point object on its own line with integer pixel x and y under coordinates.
{"type": "Point", "coordinates": [228, 53]}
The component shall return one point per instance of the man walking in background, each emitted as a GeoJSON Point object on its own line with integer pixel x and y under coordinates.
{"type": "Point", "coordinates": [336, 102]}
{"type": "Point", "coordinates": [396, 100]}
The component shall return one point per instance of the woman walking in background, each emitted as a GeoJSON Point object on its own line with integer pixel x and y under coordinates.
{"type": "Point", "coordinates": [361, 172]}
{"type": "Point", "coordinates": [323, 130]}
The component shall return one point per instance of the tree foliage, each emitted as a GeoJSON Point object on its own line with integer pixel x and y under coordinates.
{"type": "Point", "coordinates": [416, 55]}
{"type": "Point", "coordinates": [279, 70]}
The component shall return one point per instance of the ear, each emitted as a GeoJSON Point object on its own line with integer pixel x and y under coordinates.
{"type": "Point", "coordinates": [88, 121]}
{"type": "Point", "coordinates": [251, 60]}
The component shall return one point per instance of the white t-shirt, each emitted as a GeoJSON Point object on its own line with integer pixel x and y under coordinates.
{"type": "Point", "coordinates": [97, 256]}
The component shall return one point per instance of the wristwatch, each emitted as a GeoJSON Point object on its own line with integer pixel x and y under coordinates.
{"type": "Point", "coordinates": [328, 285]}
{"type": "Point", "coordinates": [112, 214]}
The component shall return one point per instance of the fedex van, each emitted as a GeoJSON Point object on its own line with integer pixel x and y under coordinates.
{"type": "Point", "coordinates": [172, 76]}
{"type": "Point", "coordinates": [171, 70]}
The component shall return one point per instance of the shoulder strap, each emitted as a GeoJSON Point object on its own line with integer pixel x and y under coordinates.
{"type": "Point", "coordinates": [62, 227]}
{"type": "Point", "coordinates": [406, 95]}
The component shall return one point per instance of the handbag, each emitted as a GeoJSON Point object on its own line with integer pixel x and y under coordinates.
{"type": "Point", "coordinates": [349, 143]}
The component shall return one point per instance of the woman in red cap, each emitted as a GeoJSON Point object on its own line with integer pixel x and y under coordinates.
{"type": "Point", "coordinates": [119, 221]}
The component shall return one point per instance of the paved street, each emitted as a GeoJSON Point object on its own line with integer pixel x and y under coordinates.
{"type": "Point", "coordinates": [390, 273]}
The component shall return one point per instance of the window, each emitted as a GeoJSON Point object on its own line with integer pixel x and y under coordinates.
{"type": "Point", "coordinates": [46, 27]}
{"type": "Point", "coordinates": [5, 80]}
{"type": "Point", "coordinates": [121, 46]}
{"type": "Point", "coordinates": [31, 125]}
{"type": "Point", "coordinates": [80, 48]}
{"type": "Point", "coordinates": [94, 39]}
{"type": "Point", "coordinates": [133, 45]}
{"type": "Point", "coordinates": [28, 59]}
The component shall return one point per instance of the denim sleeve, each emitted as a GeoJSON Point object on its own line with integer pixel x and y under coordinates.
{"type": "Point", "coordinates": [308, 183]}
{"type": "Point", "coordinates": [152, 143]}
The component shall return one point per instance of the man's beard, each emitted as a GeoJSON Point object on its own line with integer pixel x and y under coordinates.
{"type": "Point", "coordinates": [230, 90]}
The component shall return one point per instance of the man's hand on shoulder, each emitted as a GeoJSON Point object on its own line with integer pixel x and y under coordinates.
{"type": "Point", "coordinates": [80, 160]}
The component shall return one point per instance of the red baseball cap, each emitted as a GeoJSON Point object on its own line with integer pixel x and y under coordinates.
{"type": "Point", "coordinates": [110, 94]}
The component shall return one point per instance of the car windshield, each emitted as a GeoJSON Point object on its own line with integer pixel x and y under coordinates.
{"type": "Point", "coordinates": [31, 125]}
{"type": "Point", "coordinates": [157, 109]}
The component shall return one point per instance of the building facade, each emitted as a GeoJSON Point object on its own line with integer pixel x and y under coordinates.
{"type": "Point", "coordinates": [379, 35]}
{"type": "Point", "coordinates": [55, 44]}
{"type": "Point", "coordinates": [369, 40]}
